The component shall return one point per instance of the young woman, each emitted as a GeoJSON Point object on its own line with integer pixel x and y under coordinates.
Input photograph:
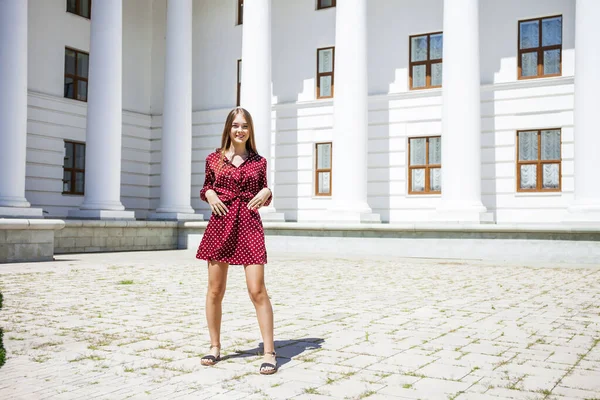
{"type": "Point", "coordinates": [235, 187]}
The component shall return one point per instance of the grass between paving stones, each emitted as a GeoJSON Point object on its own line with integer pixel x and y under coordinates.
{"type": "Point", "coordinates": [2, 350]}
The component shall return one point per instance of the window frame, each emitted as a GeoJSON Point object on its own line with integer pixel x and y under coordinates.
{"type": "Point", "coordinates": [427, 62]}
{"type": "Point", "coordinates": [240, 12]}
{"type": "Point", "coordinates": [427, 166]}
{"type": "Point", "coordinates": [321, 74]}
{"type": "Point", "coordinates": [317, 170]}
{"type": "Point", "coordinates": [74, 170]}
{"type": "Point", "coordinates": [320, 5]}
{"type": "Point", "coordinates": [76, 78]}
{"type": "Point", "coordinates": [539, 179]}
{"type": "Point", "coordinates": [539, 50]}
{"type": "Point", "coordinates": [239, 82]}
{"type": "Point", "coordinates": [78, 9]}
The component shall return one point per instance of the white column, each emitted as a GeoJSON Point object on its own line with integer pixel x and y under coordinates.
{"type": "Point", "coordinates": [461, 116]}
{"type": "Point", "coordinates": [104, 115]}
{"type": "Point", "coordinates": [586, 207]}
{"type": "Point", "coordinates": [176, 145]}
{"type": "Point", "coordinates": [350, 108]}
{"type": "Point", "coordinates": [13, 110]}
{"type": "Point", "coordinates": [255, 93]}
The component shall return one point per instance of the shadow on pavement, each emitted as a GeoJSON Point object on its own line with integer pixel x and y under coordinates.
{"type": "Point", "coordinates": [286, 349]}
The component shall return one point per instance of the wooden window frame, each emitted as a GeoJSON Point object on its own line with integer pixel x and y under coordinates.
{"type": "Point", "coordinates": [76, 78]}
{"type": "Point", "coordinates": [539, 50]}
{"type": "Point", "coordinates": [427, 167]}
{"type": "Point", "coordinates": [320, 74]}
{"type": "Point", "coordinates": [240, 12]}
{"type": "Point", "coordinates": [74, 170]}
{"type": "Point", "coordinates": [317, 170]}
{"type": "Point", "coordinates": [78, 9]}
{"type": "Point", "coordinates": [427, 62]}
{"type": "Point", "coordinates": [320, 5]}
{"type": "Point", "coordinates": [239, 82]}
{"type": "Point", "coordinates": [539, 163]}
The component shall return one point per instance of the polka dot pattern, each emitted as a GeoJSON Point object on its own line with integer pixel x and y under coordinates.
{"type": "Point", "coordinates": [237, 237]}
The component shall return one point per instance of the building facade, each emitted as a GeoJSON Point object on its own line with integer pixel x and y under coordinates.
{"type": "Point", "coordinates": [367, 110]}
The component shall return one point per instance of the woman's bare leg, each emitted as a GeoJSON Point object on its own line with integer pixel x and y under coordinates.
{"type": "Point", "coordinates": [217, 282]}
{"type": "Point", "coordinates": [255, 281]}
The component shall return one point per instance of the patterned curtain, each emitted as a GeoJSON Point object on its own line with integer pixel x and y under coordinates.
{"type": "Point", "coordinates": [528, 151]}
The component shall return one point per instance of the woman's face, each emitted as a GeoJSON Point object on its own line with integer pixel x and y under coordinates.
{"type": "Point", "coordinates": [239, 130]}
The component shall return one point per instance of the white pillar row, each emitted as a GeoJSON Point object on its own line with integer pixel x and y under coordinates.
{"type": "Point", "coordinates": [13, 110]}
{"type": "Point", "coordinates": [586, 207]}
{"type": "Point", "coordinates": [102, 198]}
{"type": "Point", "coordinates": [350, 119]}
{"type": "Point", "coordinates": [176, 144]}
{"type": "Point", "coordinates": [255, 88]}
{"type": "Point", "coordinates": [461, 119]}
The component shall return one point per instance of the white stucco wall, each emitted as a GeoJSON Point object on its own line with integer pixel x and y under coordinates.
{"type": "Point", "coordinates": [299, 120]}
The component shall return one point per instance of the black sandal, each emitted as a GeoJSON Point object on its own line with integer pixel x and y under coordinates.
{"type": "Point", "coordinates": [269, 365]}
{"type": "Point", "coordinates": [209, 359]}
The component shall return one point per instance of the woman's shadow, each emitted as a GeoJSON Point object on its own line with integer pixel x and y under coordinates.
{"type": "Point", "coordinates": [286, 349]}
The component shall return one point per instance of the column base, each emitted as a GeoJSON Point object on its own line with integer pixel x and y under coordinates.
{"type": "Point", "coordinates": [174, 216]}
{"type": "Point", "coordinates": [21, 212]}
{"type": "Point", "coordinates": [583, 214]}
{"type": "Point", "coordinates": [102, 214]}
{"type": "Point", "coordinates": [269, 214]}
{"type": "Point", "coordinates": [351, 217]}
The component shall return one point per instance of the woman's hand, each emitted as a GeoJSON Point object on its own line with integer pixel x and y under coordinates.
{"type": "Point", "coordinates": [260, 199]}
{"type": "Point", "coordinates": [216, 205]}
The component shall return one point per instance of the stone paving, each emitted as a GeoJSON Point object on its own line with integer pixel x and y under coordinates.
{"type": "Point", "coordinates": [131, 325]}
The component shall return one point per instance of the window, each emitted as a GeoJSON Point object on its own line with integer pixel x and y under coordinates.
{"type": "Point", "coordinates": [325, 62]}
{"type": "Point", "coordinates": [74, 168]}
{"type": "Point", "coordinates": [540, 47]}
{"type": "Point", "coordinates": [76, 74]}
{"type": "Point", "coordinates": [323, 169]}
{"type": "Point", "coordinates": [240, 12]}
{"type": "Point", "coordinates": [538, 161]}
{"type": "Point", "coordinates": [321, 4]}
{"type": "Point", "coordinates": [239, 81]}
{"type": "Point", "coordinates": [425, 165]}
{"type": "Point", "coordinates": [425, 60]}
{"type": "Point", "coordinates": [80, 7]}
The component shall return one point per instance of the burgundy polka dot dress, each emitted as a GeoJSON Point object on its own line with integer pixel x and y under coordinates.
{"type": "Point", "coordinates": [237, 237]}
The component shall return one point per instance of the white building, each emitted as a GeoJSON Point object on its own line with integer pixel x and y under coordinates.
{"type": "Point", "coordinates": [372, 105]}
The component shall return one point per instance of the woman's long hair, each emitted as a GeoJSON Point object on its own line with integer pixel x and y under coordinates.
{"type": "Point", "coordinates": [226, 136]}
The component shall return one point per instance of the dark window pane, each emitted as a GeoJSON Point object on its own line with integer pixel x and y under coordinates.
{"type": "Point", "coordinates": [82, 64]}
{"type": "Point", "coordinates": [552, 31]}
{"type": "Point", "coordinates": [80, 156]}
{"type": "Point", "coordinates": [551, 62]}
{"type": "Point", "coordinates": [68, 162]}
{"type": "Point", "coordinates": [326, 3]}
{"type": "Point", "coordinates": [72, 6]}
{"type": "Point", "coordinates": [79, 179]}
{"type": "Point", "coordinates": [529, 34]}
{"type": "Point", "coordinates": [85, 8]}
{"type": "Point", "coordinates": [82, 90]}
{"type": "Point", "coordinates": [69, 62]}
{"type": "Point", "coordinates": [69, 92]}
{"type": "Point", "coordinates": [66, 181]}
{"type": "Point", "coordinates": [418, 48]}
{"type": "Point", "coordinates": [436, 43]}
{"type": "Point", "coordinates": [529, 63]}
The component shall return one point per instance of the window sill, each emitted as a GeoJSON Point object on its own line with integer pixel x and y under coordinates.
{"type": "Point", "coordinates": [423, 195]}
{"type": "Point", "coordinates": [73, 194]}
{"type": "Point", "coordinates": [538, 194]}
